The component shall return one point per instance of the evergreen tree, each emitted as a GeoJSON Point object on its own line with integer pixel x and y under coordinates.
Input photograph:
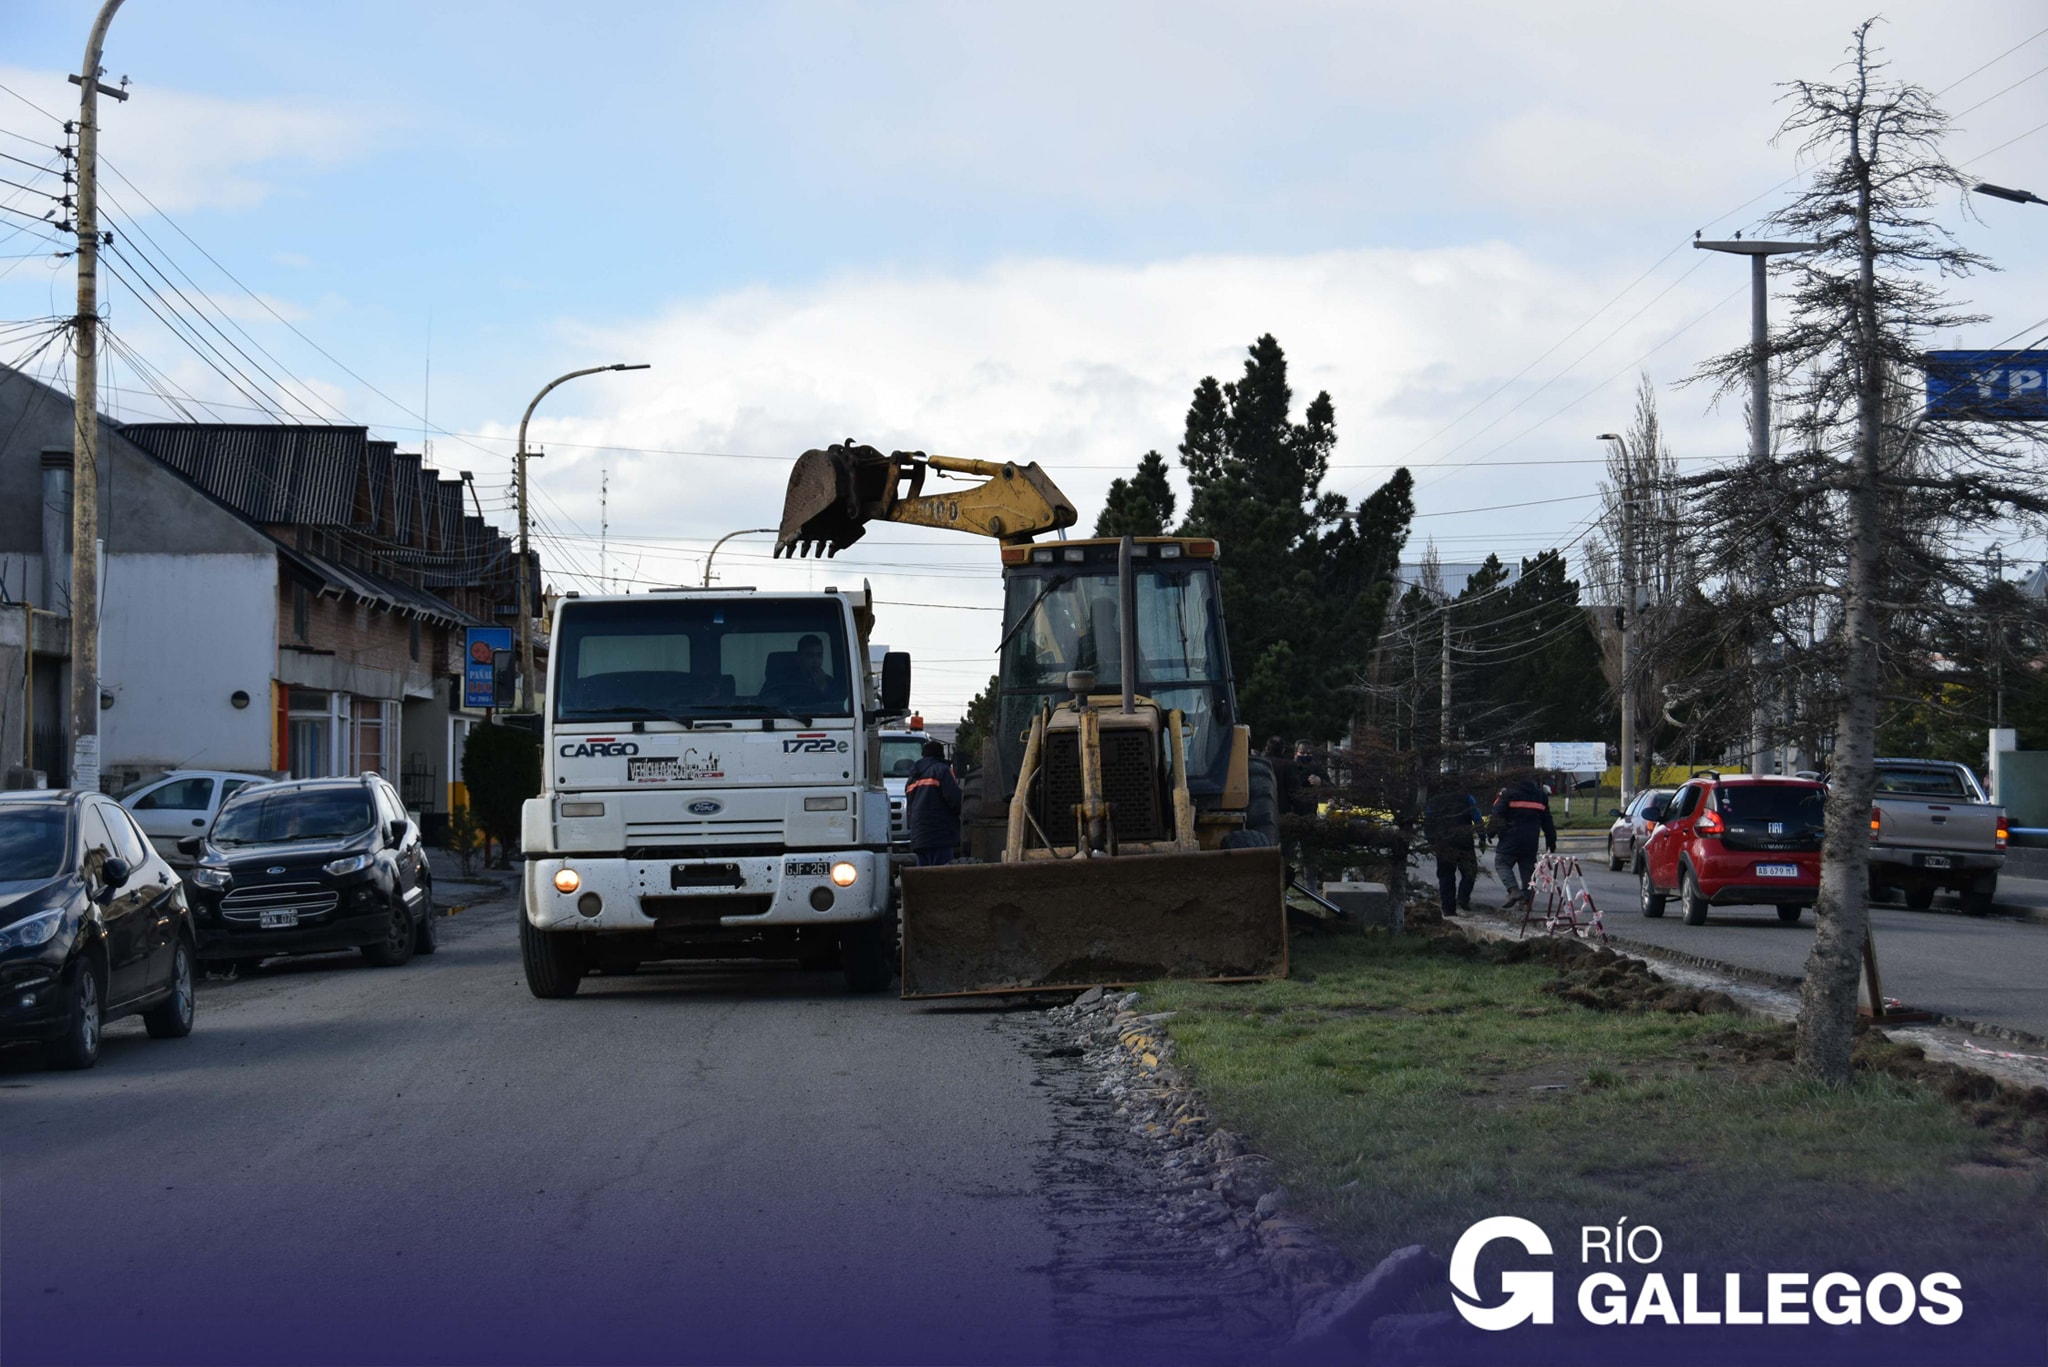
{"type": "Point", "coordinates": [1142, 505]}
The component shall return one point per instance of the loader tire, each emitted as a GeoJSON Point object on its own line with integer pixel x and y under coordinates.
{"type": "Point", "coordinates": [970, 804]}
{"type": "Point", "coordinates": [1262, 810]}
{"type": "Point", "coordinates": [1245, 840]}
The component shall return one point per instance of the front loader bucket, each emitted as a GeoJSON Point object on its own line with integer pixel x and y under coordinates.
{"type": "Point", "coordinates": [830, 493]}
{"type": "Point", "coordinates": [1063, 923]}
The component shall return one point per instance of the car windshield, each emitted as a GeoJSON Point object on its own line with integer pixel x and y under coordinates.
{"type": "Point", "coordinates": [32, 843]}
{"type": "Point", "coordinates": [1922, 782]}
{"type": "Point", "coordinates": [900, 755]}
{"type": "Point", "coordinates": [686, 658]}
{"type": "Point", "coordinates": [1769, 802]}
{"type": "Point", "coordinates": [271, 818]}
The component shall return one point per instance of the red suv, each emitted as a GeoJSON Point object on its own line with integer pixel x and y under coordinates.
{"type": "Point", "coordinates": [1737, 841]}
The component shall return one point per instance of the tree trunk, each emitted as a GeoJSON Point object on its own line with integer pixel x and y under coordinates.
{"type": "Point", "coordinates": [1827, 997]}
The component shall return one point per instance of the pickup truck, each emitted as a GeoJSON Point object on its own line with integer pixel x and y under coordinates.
{"type": "Point", "coordinates": [1931, 827]}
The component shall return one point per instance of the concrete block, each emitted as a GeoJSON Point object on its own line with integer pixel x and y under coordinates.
{"type": "Point", "coordinates": [1368, 904]}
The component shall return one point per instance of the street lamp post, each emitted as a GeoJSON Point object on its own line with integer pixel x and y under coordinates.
{"type": "Point", "coordinates": [525, 552]}
{"type": "Point", "coordinates": [744, 531]}
{"type": "Point", "coordinates": [1759, 253]}
{"type": "Point", "coordinates": [1627, 624]}
{"type": "Point", "coordinates": [2003, 192]}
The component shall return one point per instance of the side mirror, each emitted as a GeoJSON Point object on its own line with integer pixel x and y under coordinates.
{"type": "Point", "coordinates": [114, 875]}
{"type": "Point", "coordinates": [1616, 811]}
{"type": "Point", "coordinates": [896, 681]}
{"type": "Point", "coordinates": [194, 845]}
{"type": "Point", "coordinates": [396, 831]}
{"type": "Point", "coordinates": [523, 721]}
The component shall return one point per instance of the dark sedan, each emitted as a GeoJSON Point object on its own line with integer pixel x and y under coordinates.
{"type": "Point", "coordinates": [93, 926]}
{"type": "Point", "coordinates": [310, 867]}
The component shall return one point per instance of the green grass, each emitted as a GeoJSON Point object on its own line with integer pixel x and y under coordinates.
{"type": "Point", "coordinates": [1406, 1092]}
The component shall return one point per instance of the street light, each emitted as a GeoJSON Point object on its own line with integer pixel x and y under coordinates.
{"type": "Point", "coordinates": [1627, 623]}
{"type": "Point", "coordinates": [745, 531]}
{"type": "Point", "coordinates": [2001, 192]}
{"type": "Point", "coordinates": [525, 553]}
{"type": "Point", "coordinates": [1759, 425]}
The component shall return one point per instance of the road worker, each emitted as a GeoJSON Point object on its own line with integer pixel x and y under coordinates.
{"type": "Point", "coordinates": [931, 807]}
{"type": "Point", "coordinates": [1520, 814]}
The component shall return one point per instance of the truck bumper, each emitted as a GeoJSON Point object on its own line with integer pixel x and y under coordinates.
{"type": "Point", "coordinates": [761, 890]}
{"type": "Point", "coordinates": [1891, 861]}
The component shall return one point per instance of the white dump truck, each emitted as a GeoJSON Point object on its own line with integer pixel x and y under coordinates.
{"type": "Point", "coordinates": [712, 787]}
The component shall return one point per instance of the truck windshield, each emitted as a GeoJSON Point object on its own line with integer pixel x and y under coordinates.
{"type": "Point", "coordinates": [701, 657]}
{"type": "Point", "coordinates": [900, 755]}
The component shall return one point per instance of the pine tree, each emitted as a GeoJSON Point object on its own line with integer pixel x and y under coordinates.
{"type": "Point", "coordinates": [1142, 505]}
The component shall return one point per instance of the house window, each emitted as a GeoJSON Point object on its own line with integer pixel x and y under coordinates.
{"type": "Point", "coordinates": [310, 734]}
{"type": "Point", "coordinates": [413, 645]}
{"type": "Point", "coordinates": [369, 736]}
{"type": "Point", "coordinates": [302, 611]}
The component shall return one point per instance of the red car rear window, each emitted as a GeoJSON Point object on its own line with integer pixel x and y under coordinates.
{"type": "Point", "coordinates": [1794, 806]}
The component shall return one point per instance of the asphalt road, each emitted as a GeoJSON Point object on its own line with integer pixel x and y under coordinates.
{"type": "Point", "coordinates": [1992, 969]}
{"type": "Point", "coordinates": [425, 1164]}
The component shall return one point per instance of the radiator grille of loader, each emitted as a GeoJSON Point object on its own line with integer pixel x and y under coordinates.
{"type": "Point", "coordinates": [1130, 783]}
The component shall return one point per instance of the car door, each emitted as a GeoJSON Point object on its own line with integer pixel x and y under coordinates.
{"type": "Point", "coordinates": [121, 914]}
{"type": "Point", "coordinates": [1661, 853]}
{"type": "Point", "coordinates": [406, 848]}
{"type": "Point", "coordinates": [151, 882]}
{"type": "Point", "coordinates": [174, 809]}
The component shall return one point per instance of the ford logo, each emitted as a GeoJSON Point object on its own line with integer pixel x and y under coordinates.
{"type": "Point", "coordinates": [706, 807]}
{"type": "Point", "coordinates": [274, 870]}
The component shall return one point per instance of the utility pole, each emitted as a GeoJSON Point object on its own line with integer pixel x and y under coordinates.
{"type": "Point", "coordinates": [525, 550]}
{"type": "Point", "coordinates": [1997, 557]}
{"type": "Point", "coordinates": [604, 527]}
{"type": "Point", "coordinates": [1759, 254]}
{"type": "Point", "coordinates": [1625, 618]}
{"type": "Point", "coordinates": [1443, 722]}
{"type": "Point", "coordinates": [85, 431]}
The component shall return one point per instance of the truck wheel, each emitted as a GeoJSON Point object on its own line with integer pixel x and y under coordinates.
{"type": "Point", "coordinates": [1977, 901]}
{"type": "Point", "coordinates": [1920, 898]}
{"type": "Point", "coordinates": [1262, 810]}
{"type": "Point", "coordinates": [1694, 900]}
{"type": "Point", "coordinates": [1790, 915]}
{"type": "Point", "coordinates": [554, 961]}
{"type": "Point", "coordinates": [1652, 900]}
{"type": "Point", "coordinates": [868, 955]}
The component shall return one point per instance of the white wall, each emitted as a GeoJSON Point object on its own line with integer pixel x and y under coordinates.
{"type": "Point", "coordinates": [179, 634]}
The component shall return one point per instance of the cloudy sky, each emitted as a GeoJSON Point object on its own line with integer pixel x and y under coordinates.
{"type": "Point", "coordinates": [1010, 232]}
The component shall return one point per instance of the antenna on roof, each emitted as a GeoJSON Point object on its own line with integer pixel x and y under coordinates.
{"type": "Point", "coordinates": [427, 395]}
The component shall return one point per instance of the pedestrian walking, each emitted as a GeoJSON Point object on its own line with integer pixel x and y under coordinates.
{"type": "Point", "coordinates": [1521, 814]}
{"type": "Point", "coordinates": [1452, 828]}
{"type": "Point", "coordinates": [931, 807]}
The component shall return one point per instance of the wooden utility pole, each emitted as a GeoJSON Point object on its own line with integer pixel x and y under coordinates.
{"type": "Point", "coordinates": [85, 433]}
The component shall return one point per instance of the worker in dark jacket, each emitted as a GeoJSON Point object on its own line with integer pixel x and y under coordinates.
{"type": "Point", "coordinates": [1520, 814]}
{"type": "Point", "coordinates": [931, 807]}
{"type": "Point", "coordinates": [1452, 827]}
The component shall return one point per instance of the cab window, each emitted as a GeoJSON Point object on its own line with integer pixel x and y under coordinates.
{"type": "Point", "coordinates": [180, 795]}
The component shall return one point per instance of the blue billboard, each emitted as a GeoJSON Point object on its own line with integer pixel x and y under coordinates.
{"type": "Point", "coordinates": [1987, 386]}
{"type": "Point", "coordinates": [481, 648]}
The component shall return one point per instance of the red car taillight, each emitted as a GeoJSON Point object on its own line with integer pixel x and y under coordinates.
{"type": "Point", "coordinates": [1708, 824]}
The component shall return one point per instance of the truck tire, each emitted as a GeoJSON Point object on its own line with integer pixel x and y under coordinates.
{"type": "Point", "coordinates": [868, 955]}
{"type": "Point", "coordinates": [1651, 899]}
{"type": "Point", "coordinates": [1920, 898]}
{"type": "Point", "coordinates": [1694, 901]}
{"type": "Point", "coordinates": [1262, 809]}
{"type": "Point", "coordinates": [554, 961]}
{"type": "Point", "coordinates": [1982, 894]}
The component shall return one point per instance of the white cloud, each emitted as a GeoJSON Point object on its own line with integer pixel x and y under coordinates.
{"type": "Point", "coordinates": [189, 151]}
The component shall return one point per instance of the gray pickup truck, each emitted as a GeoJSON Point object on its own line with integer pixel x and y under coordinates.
{"type": "Point", "coordinates": [1932, 828]}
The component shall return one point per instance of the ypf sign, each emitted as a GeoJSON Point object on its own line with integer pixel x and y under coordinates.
{"type": "Point", "coordinates": [1987, 386]}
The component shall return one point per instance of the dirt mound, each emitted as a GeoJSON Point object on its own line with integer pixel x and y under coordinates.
{"type": "Point", "coordinates": [1593, 975]}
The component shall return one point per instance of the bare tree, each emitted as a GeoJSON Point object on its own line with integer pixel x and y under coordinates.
{"type": "Point", "coordinates": [1869, 511]}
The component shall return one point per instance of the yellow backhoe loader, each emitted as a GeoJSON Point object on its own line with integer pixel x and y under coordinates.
{"type": "Point", "coordinates": [1120, 829]}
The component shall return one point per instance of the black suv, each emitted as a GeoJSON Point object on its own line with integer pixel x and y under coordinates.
{"type": "Point", "coordinates": [93, 926]}
{"type": "Point", "coordinates": [308, 867]}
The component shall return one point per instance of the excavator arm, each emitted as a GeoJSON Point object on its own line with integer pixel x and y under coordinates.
{"type": "Point", "coordinates": [834, 493]}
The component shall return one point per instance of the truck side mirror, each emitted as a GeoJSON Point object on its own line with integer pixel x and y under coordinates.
{"type": "Point", "coordinates": [896, 681]}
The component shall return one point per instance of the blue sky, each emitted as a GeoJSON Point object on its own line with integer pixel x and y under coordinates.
{"type": "Point", "coordinates": [994, 231]}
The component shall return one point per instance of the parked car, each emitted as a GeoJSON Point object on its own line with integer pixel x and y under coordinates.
{"type": "Point", "coordinates": [1932, 828]}
{"type": "Point", "coordinates": [1740, 840]}
{"type": "Point", "coordinates": [312, 866]}
{"type": "Point", "coordinates": [1632, 826]}
{"type": "Point", "coordinates": [93, 926]}
{"type": "Point", "coordinates": [181, 803]}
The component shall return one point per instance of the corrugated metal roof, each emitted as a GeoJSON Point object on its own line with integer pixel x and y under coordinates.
{"type": "Point", "coordinates": [377, 462]}
{"type": "Point", "coordinates": [376, 588]}
{"type": "Point", "coordinates": [269, 473]}
{"type": "Point", "coordinates": [405, 500]}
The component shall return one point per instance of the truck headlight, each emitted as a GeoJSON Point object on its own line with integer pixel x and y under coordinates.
{"type": "Point", "coordinates": [843, 874]}
{"type": "Point", "coordinates": [567, 880]}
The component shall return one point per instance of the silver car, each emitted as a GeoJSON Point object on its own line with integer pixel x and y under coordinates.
{"type": "Point", "coordinates": [1632, 827]}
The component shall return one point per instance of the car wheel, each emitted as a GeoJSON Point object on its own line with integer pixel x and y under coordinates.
{"type": "Point", "coordinates": [1695, 901]}
{"type": "Point", "coordinates": [427, 938]}
{"type": "Point", "coordinates": [79, 1045]}
{"type": "Point", "coordinates": [1977, 901]}
{"type": "Point", "coordinates": [553, 960]}
{"type": "Point", "coordinates": [1652, 900]}
{"type": "Point", "coordinates": [1614, 861]}
{"type": "Point", "coordinates": [1920, 898]}
{"type": "Point", "coordinates": [171, 1018]}
{"type": "Point", "coordinates": [1790, 915]}
{"type": "Point", "coordinates": [402, 932]}
{"type": "Point", "coordinates": [868, 955]}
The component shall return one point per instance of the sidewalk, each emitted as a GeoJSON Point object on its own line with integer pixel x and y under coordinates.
{"type": "Point", "coordinates": [453, 890]}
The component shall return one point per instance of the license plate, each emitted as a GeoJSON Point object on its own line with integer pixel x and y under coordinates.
{"type": "Point", "coordinates": [1777, 870]}
{"type": "Point", "coordinates": [1934, 861]}
{"type": "Point", "coordinates": [654, 770]}
{"type": "Point", "coordinates": [807, 868]}
{"type": "Point", "coordinates": [277, 920]}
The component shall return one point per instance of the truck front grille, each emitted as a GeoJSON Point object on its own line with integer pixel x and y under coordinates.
{"type": "Point", "coordinates": [689, 832]}
{"type": "Point", "coordinates": [705, 909]}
